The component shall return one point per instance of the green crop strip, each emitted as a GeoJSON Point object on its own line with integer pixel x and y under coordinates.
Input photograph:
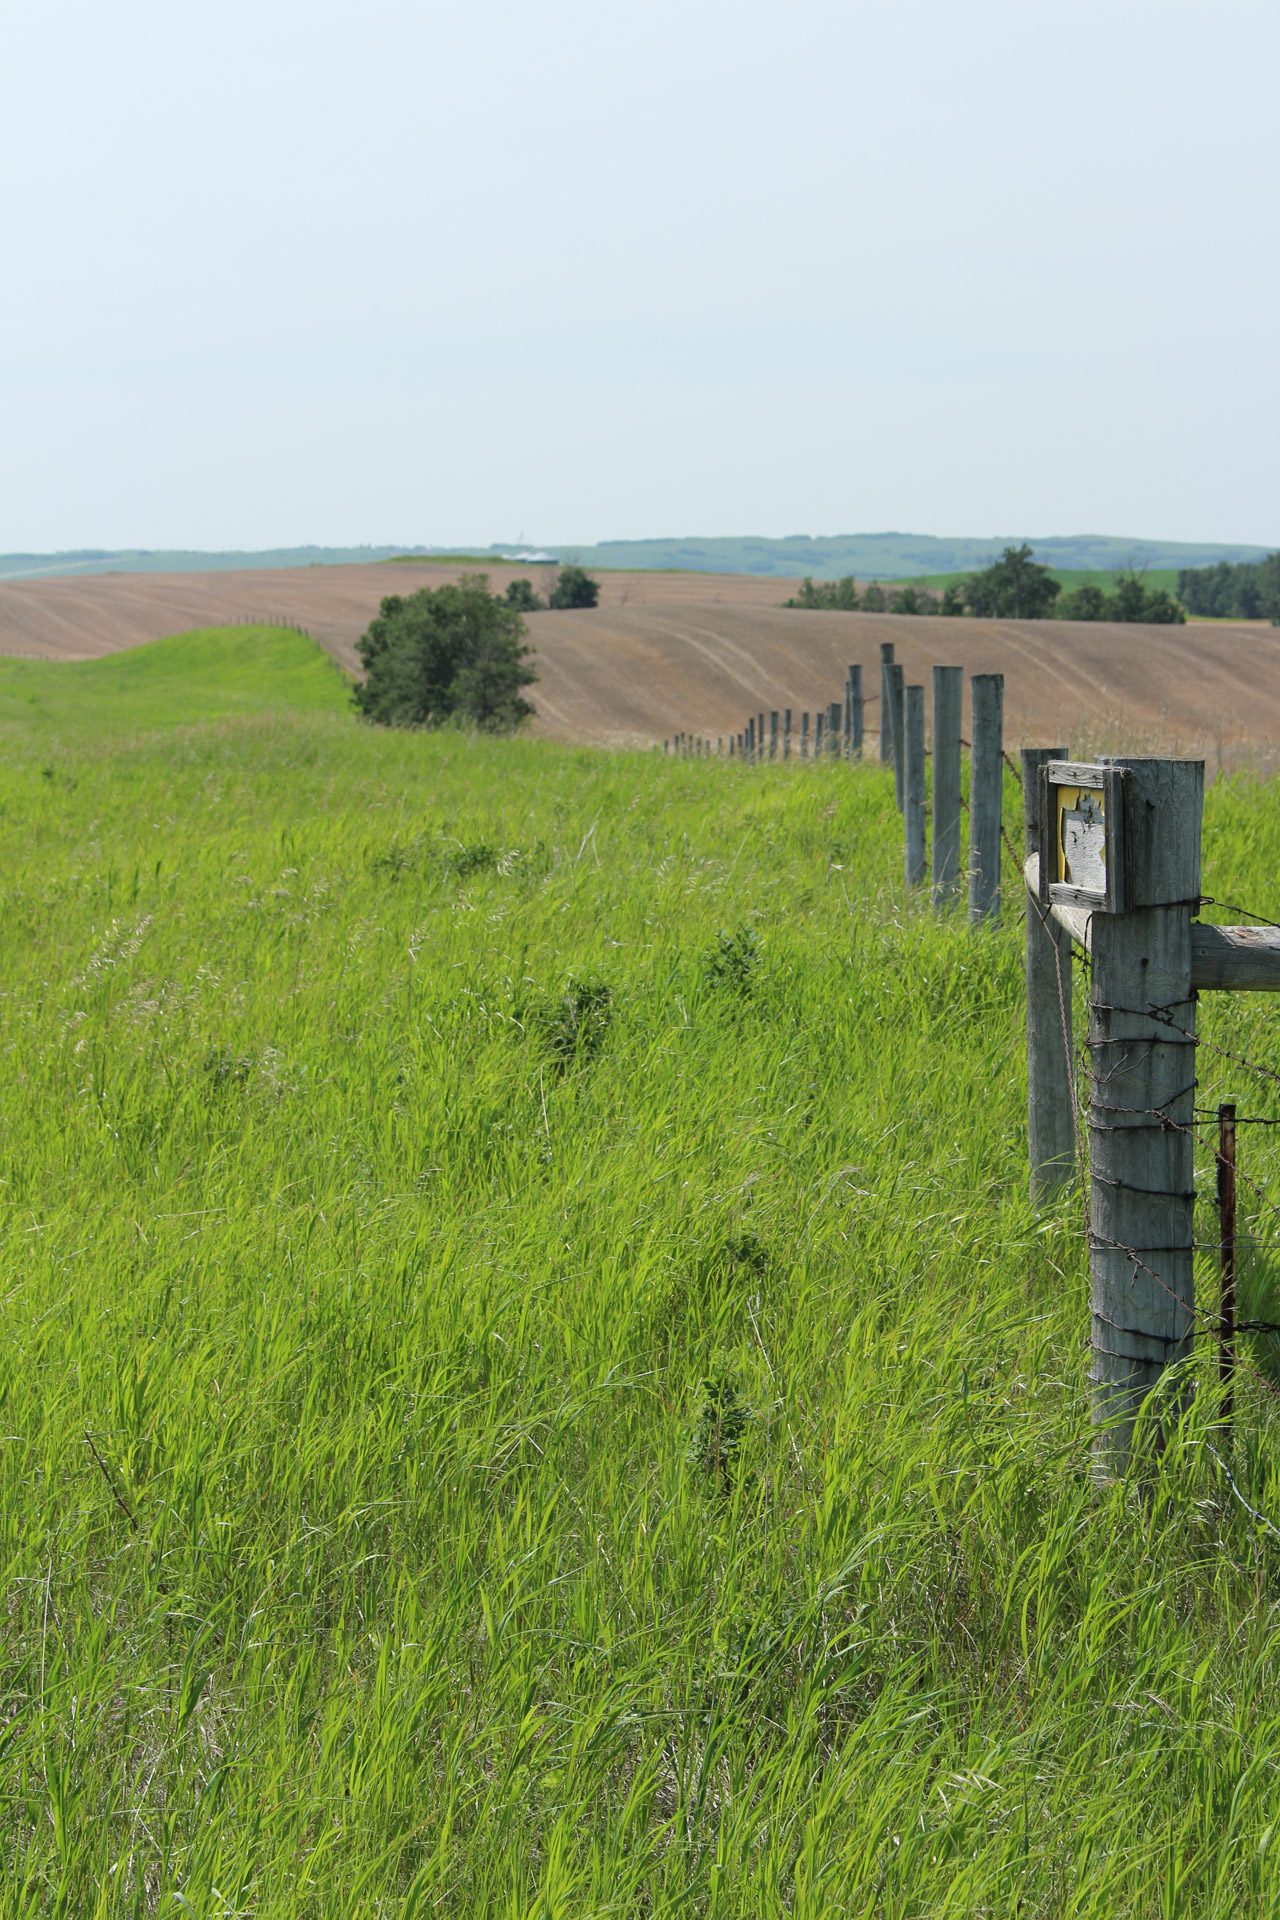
{"type": "Point", "coordinates": [529, 1383]}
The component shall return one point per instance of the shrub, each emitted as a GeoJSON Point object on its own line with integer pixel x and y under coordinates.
{"type": "Point", "coordinates": [1086, 603]}
{"type": "Point", "coordinates": [575, 588]}
{"type": "Point", "coordinates": [839, 596]}
{"type": "Point", "coordinates": [913, 599]}
{"type": "Point", "coordinates": [521, 596]}
{"type": "Point", "coordinates": [446, 653]}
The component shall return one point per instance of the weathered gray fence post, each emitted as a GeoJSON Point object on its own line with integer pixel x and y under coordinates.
{"type": "Point", "coordinates": [817, 734]}
{"type": "Point", "coordinates": [773, 734]}
{"type": "Point", "coordinates": [855, 713]}
{"type": "Point", "coordinates": [986, 794]}
{"type": "Point", "coordinates": [804, 736]}
{"type": "Point", "coordinates": [786, 733]}
{"type": "Point", "coordinates": [1142, 1022]}
{"type": "Point", "coordinates": [834, 717]}
{"type": "Point", "coordinates": [751, 737]}
{"type": "Point", "coordinates": [948, 690]}
{"type": "Point", "coordinates": [894, 672]}
{"type": "Point", "coordinates": [913, 785]}
{"type": "Point", "coordinates": [886, 725]}
{"type": "Point", "coordinates": [1050, 1091]}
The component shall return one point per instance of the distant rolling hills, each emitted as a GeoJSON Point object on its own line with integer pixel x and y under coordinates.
{"type": "Point", "coordinates": [871, 556]}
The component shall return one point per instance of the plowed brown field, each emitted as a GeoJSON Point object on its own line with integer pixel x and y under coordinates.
{"type": "Point", "coordinates": [696, 653]}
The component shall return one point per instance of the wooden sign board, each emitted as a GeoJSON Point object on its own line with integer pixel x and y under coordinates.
{"type": "Point", "coordinates": [1082, 836]}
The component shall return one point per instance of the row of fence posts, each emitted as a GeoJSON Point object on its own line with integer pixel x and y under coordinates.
{"type": "Point", "coordinates": [838, 733]}
{"type": "Point", "coordinates": [268, 620]}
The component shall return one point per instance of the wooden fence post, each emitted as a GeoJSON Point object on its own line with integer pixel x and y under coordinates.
{"type": "Point", "coordinates": [786, 733]}
{"type": "Point", "coordinates": [804, 736]}
{"type": "Point", "coordinates": [855, 713]}
{"type": "Point", "coordinates": [886, 727]}
{"type": "Point", "coordinates": [1142, 1022]}
{"type": "Point", "coordinates": [817, 733]}
{"type": "Point", "coordinates": [1050, 1091]}
{"type": "Point", "coordinates": [913, 785]}
{"type": "Point", "coordinates": [1227, 1251]}
{"type": "Point", "coordinates": [773, 734]}
{"type": "Point", "coordinates": [834, 717]}
{"type": "Point", "coordinates": [948, 687]}
{"type": "Point", "coordinates": [894, 672]}
{"type": "Point", "coordinates": [986, 795]}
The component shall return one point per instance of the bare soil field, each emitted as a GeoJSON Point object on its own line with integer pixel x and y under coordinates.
{"type": "Point", "coordinates": [696, 653]}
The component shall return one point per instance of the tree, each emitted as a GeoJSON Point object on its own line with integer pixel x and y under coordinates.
{"type": "Point", "coordinates": [873, 600]}
{"type": "Point", "coordinates": [1014, 587]}
{"type": "Point", "coordinates": [1250, 590]}
{"type": "Point", "coordinates": [446, 653]}
{"type": "Point", "coordinates": [1134, 601]}
{"type": "Point", "coordinates": [521, 596]}
{"type": "Point", "coordinates": [828, 595]}
{"type": "Point", "coordinates": [1086, 603]}
{"type": "Point", "coordinates": [575, 588]}
{"type": "Point", "coordinates": [952, 601]}
{"type": "Point", "coordinates": [1269, 587]}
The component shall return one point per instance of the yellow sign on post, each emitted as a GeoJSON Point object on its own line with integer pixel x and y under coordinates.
{"type": "Point", "coordinates": [1081, 814]}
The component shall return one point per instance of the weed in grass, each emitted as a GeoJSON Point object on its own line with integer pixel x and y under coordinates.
{"type": "Point", "coordinates": [730, 965]}
{"type": "Point", "coordinates": [573, 1025]}
{"type": "Point", "coordinates": [723, 1418]}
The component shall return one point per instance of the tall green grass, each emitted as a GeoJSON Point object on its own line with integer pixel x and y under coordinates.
{"type": "Point", "coordinates": [529, 1383]}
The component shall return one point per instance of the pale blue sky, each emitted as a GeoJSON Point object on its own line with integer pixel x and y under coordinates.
{"type": "Point", "coordinates": [276, 273]}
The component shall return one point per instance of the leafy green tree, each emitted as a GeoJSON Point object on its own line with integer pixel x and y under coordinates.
{"type": "Point", "coordinates": [874, 599]}
{"type": "Point", "coordinates": [1086, 603]}
{"type": "Point", "coordinates": [451, 653]}
{"type": "Point", "coordinates": [1134, 602]}
{"type": "Point", "coordinates": [952, 601]}
{"type": "Point", "coordinates": [1269, 587]}
{"type": "Point", "coordinates": [1250, 590]}
{"type": "Point", "coordinates": [1014, 587]}
{"type": "Point", "coordinates": [575, 588]}
{"type": "Point", "coordinates": [521, 596]}
{"type": "Point", "coordinates": [1160, 609]}
{"type": "Point", "coordinates": [913, 599]}
{"type": "Point", "coordinates": [839, 596]}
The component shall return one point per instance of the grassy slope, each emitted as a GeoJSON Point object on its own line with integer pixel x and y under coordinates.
{"type": "Point", "coordinates": [193, 676]}
{"type": "Point", "coordinates": [409, 1569]}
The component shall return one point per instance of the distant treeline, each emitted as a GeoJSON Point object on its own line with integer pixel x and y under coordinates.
{"type": "Point", "coordinates": [1249, 590]}
{"type": "Point", "coordinates": [1014, 587]}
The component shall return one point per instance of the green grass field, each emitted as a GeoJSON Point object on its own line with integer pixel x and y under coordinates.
{"type": "Point", "coordinates": [529, 1383]}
